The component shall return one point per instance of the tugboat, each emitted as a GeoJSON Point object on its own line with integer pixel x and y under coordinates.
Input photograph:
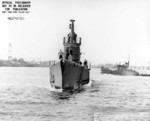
{"type": "Point", "coordinates": [69, 73]}
{"type": "Point", "coordinates": [119, 69]}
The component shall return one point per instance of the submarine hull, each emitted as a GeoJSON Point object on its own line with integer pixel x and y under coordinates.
{"type": "Point", "coordinates": [68, 75]}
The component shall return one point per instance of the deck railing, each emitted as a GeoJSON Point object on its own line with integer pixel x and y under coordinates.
{"type": "Point", "coordinates": [77, 40]}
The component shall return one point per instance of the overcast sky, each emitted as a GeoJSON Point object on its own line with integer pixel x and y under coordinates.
{"type": "Point", "coordinates": [110, 30]}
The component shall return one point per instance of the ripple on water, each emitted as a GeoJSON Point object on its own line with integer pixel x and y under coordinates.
{"type": "Point", "coordinates": [32, 100]}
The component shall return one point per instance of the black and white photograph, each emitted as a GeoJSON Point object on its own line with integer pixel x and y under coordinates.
{"type": "Point", "coordinates": [74, 60]}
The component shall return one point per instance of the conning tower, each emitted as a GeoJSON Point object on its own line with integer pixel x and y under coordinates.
{"type": "Point", "coordinates": [72, 44]}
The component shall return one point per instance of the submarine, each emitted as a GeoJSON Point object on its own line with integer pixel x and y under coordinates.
{"type": "Point", "coordinates": [69, 73]}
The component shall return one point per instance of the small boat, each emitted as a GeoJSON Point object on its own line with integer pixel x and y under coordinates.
{"type": "Point", "coordinates": [69, 73]}
{"type": "Point", "coordinates": [119, 69]}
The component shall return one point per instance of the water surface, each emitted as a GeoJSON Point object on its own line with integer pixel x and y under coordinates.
{"type": "Point", "coordinates": [25, 96]}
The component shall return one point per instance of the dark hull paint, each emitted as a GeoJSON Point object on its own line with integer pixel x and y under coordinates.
{"type": "Point", "coordinates": [73, 76]}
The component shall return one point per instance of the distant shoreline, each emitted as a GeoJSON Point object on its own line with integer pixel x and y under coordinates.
{"type": "Point", "coordinates": [22, 63]}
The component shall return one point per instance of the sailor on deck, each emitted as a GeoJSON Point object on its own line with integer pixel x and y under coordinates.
{"type": "Point", "coordinates": [85, 63]}
{"type": "Point", "coordinates": [60, 54]}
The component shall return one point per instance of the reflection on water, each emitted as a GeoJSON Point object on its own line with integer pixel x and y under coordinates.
{"type": "Point", "coordinates": [25, 95]}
